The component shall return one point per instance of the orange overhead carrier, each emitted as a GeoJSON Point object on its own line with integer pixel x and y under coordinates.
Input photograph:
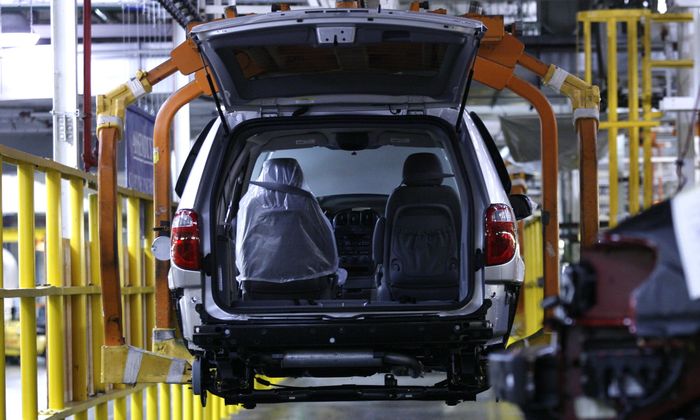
{"type": "Point", "coordinates": [110, 109]}
{"type": "Point", "coordinates": [495, 65]}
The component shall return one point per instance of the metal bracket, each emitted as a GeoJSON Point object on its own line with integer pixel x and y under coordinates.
{"type": "Point", "coordinates": [335, 35]}
{"type": "Point", "coordinates": [131, 365]}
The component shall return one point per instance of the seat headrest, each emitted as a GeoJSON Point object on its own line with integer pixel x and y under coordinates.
{"type": "Point", "coordinates": [282, 171]}
{"type": "Point", "coordinates": [422, 169]}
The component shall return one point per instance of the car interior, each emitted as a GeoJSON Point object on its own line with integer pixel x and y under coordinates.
{"type": "Point", "coordinates": [351, 218]}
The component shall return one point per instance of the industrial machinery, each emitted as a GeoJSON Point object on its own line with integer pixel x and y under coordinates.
{"type": "Point", "coordinates": [627, 327]}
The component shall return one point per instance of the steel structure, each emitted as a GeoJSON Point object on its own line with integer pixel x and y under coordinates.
{"type": "Point", "coordinates": [631, 18]}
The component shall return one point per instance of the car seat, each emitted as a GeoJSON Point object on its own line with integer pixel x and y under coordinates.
{"type": "Point", "coordinates": [285, 248]}
{"type": "Point", "coordinates": [419, 238]}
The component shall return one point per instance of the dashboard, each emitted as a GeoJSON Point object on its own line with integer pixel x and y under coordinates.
{"type": "Point", "coordinates": [353, 235]}
{"type": "Point", "coordinates": [353, 217]}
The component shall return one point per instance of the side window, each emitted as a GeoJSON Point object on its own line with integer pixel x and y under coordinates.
{"type": "Point", "coordinates": [194, 151]}
{"type": "Point", "coordinates": [493, 152]}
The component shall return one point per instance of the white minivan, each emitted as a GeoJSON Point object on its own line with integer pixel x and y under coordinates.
{"type": "Point", "coordinates": [346, 216]}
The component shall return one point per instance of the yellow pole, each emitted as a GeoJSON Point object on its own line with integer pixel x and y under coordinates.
{"type": "Point", "coordinates": [56, 331]}
{"type": "Point", "coordinates": [187, 400]}
{"type": "Point", "coordinates": [646, 109]}
{"type": "Point", "coordinates": [633, 105]}
{"type": "Point", "coordinates": [587, 59]}
{"type": "Point", "coordinates": [27, 317]}
{"type": "Point", "coordinates": [164, 401]}
{"type": "Point", "coordinates": [152, 402]}
{"type": "Point", "coordinates": [209, 409]}
{"type": "Point", "coordinates": [101, 410]}
{"type": "Point", "coordinates": [78, 302]}
{"type": "Point", "coordinates": [2, 311]}
{"type": "Point", "coordinates": [176, 391]}
{"type": "Point", "coordinates": [120, 409]}
{"type": "Point", "coordinates": [150, 269]}
{"type": "Point", "coordinates": [133, 226]}
{"type": "Point", "coordinates": [222, 408]}
{"type": "Point", "coordinates": [612, 117]}
{"type": "Point", "coordinates": [197, 407]}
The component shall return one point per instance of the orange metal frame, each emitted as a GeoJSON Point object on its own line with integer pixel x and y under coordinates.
{"type": "Point", "coordinates": [499, 53]}
{"type": "Point", "coordinates": [495, 64]}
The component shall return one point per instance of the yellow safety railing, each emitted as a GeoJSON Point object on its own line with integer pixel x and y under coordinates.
{"type": "Point", "coordinates": [73, 305]}
{"type": "Point", "coordinates": [530, 315]}
{"type": "Point", "coordinates": [631, 18]}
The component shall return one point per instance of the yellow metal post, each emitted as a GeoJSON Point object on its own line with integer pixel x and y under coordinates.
{"type": "Point", "coordinates": [197, 408]}
{"type": "Point", "coordinates": [120, 409]}
{"type": "Point", "coordinates": [78, 302]}
{"type": "Point", "coordinates": [164, 401]}
{"type": "Point", "coordinates": [646, 109]}
{"type": "Point", "coordinates": [176, 391]}
{"type": "Point", "coordinates": [222, 408]}
{"type": "Point", "coordinates": [27, 317]}
{"type": "Point", "coordinates": [56, 331]}
{"type": "Point", "coordinates": [633, 105]}
{"type": "Point", "coordinates": [149, 269]}
{"type": "Point", "coordinates": [587, 57]}
{"type": "Point", "coordinates": [612, 117]}
{"type": "Point", "coordinates": [152, 402]}
{"type": "Point", "coordinates": [97, 333]}
{"type": "Point", "coordinates": [2, 311]}
{"type": "Point", "coordinates": [187, 402]}
{"type": "Point", "coordinates": [133, 226]}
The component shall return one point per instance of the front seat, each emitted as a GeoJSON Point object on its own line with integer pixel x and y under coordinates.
{"type": "Point", "coordinates": [285, 248]}
{"type": "Point", "coordinates": [420, 239]}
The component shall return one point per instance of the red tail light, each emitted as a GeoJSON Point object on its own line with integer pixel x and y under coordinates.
{"type": "Point", "coordinates": [500, 234]}
{"type": "Point", "coordinates": [184, 240]}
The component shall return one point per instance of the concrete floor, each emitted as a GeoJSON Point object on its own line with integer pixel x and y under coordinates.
{"type": "Point", "coordinates": [13, 388]}
{"type": "Point", "coordinates": [484, 408]}
{"type": "Point", "coordinates": [406, 410]}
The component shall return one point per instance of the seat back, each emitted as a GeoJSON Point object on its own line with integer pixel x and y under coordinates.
{"type": "Point", "coordinates": [282, 236]}
{"type": "Point", "coordinates": [421, 240]}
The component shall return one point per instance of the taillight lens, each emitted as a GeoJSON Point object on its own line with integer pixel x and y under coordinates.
{"type": "Point", "coordinates": [184, 240]}
{"type": "Point", "coordinates": [500, 234]}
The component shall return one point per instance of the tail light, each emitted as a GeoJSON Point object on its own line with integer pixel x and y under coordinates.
{"type": "Point", "coordinates": [184, 240]}
{"type": "Point", "coordinates": [500, 234]}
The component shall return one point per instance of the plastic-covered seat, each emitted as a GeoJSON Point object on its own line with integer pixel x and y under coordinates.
{"type": "Point", "coordinates": [420, 235]}
{"type": "Point", "coordinates": [285, 248]}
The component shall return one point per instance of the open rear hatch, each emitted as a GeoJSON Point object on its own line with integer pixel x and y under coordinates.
{"type": "Point", "coordinates": [340, 57]}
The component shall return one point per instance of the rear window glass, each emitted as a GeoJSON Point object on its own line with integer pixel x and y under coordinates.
{"type": "Point", "coordinates": [395, 58]}
{"type": "Point", "coordinates": [370, 171]}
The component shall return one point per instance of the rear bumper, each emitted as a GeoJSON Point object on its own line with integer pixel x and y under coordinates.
{"type": "Point", "coordinates": [367, 333]}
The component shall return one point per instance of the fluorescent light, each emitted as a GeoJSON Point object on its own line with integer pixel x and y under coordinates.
{"type": "Point", "coordinates": [18, 39]}
{"type": "Point", "coordinates": [662, 7]}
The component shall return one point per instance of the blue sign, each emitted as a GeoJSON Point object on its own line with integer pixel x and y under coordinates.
{"type": "Point", "coordinates": [138, 134]}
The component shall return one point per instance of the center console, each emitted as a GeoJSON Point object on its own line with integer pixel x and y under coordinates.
{"type": "Point", "coordinates": [353, 235]}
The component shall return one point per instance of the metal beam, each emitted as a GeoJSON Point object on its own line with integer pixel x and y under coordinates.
{"type": "Point", "coordinates": [109, 30]}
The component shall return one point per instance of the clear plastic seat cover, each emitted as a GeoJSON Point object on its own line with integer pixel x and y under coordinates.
{"type": "Point", "coordinates": [283, 236]}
